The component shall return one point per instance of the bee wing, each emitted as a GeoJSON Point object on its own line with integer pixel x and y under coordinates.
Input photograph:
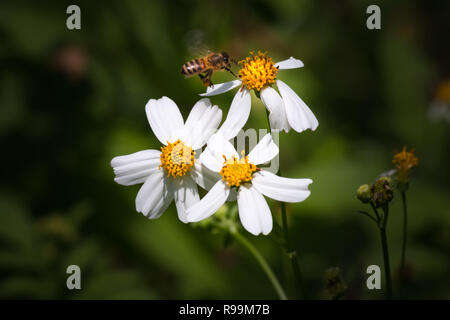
{"type": "Point", "coordinates": [196, 44]}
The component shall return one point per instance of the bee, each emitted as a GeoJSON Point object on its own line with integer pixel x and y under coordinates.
{"type": "Point", "coordinates": [204, 67]}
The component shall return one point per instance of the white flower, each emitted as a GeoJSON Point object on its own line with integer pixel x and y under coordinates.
{"type": "Point", "coordinates": [250, 182]}
{"type": "Point", "coordinates": [172, 173]}
{"type": "Point", "coordinates": [259, 72]}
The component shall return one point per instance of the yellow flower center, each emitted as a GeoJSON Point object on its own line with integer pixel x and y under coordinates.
{"type": "Point", "coordinates": [258, 71]}
{"type": "Point", "coordinates": [404, 161]}
{"type": "Point", "coordinates": [177, 158]}
{"type": "Point", "coordinates": [236, 172]}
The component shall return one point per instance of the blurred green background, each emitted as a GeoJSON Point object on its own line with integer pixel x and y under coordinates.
{"type": "Point", "coordinates": [72, 100]}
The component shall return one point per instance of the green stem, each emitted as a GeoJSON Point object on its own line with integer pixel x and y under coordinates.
{"type": "Point", "coordinates": [387, 267]}
{"type": "Point", "coordinates": [405, 221]}
{"type": "Point", "coordinates": [298, 274]}
{"type": "Point", "coordinates": [368, 215]}
{"type": "Point", "coordinates": [263, 263]}
{"type": "Point", "coordinates": [376, 213]}
{"type": "Point", "coordinates": [290, 251]}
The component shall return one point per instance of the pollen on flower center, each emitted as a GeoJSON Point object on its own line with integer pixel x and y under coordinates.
{"type": "Point", "coordinates": [236, 172]}
{"type": "Point", "coordinates": [177, 158]}
{"type": "Point", "coordinates": [257, 71]}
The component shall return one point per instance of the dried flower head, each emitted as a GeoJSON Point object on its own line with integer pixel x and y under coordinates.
{"type": "Point", "coordinates": [404, 161]}
{"type": "Point", "coordinates": [382, 192]}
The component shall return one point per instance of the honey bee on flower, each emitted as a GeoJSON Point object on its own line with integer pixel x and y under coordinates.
{"type": "Point", "coordinates": [205, 67]}
{"type": "Point", "coordinates": [258, 72]}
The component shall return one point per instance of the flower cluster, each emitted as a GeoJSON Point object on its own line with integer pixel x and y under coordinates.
{"type": "Point", "coordinates": [175, 172]}
{"type": "Point", "coordinates": [378, 194]}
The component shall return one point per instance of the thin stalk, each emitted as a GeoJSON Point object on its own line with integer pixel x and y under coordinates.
{"type": "Point", "coordinates": [298, 274]}
{"type": "Point", "coordinates": [405, 221]}
{"type": "Point", "coordinates": [263, 263]}
{"type": "Point", "coordinates": [376, 213]}
{"type": "Point", "coordinates": [387, 267]}
{"type": "Point", "coordinates": [368, 215]}
{"type": "Point", "coordinates": [290, 251]}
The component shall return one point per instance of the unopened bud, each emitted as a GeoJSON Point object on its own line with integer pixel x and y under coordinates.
{"type": "Point", "coordinates": [335, 284]}
{"type": "Point", "coordinates": [363, 193]}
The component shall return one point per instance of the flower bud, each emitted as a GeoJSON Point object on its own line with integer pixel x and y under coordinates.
{"type": "Point", "coordinates": [335, 284]}
{"type": "Point", "coordinates": [363, 193]}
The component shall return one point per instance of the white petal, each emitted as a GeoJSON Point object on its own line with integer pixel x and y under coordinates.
{"type": "Point", "coordinates": [281, 189]}
{"type": "Point", "coordinates": [202, 125]}
{"type": "Point", "coordinates": [275, 105]}
{"type": "Point", "coordinates": [290, 63]}
{"type": "Point", "coordinates": [197, 112]}
{"type": "Point", "coordinates": [210, 203]}
{"type": "Point", "coordinates": [221, 146]}
{"type": "Point", "coordinates": [133, 157]}
{"type": "Point", "coordinates": [185, 195]}
{"type": "Point", "coordinates": [155, 195]}
{"type": "Point", "coordinates": [221, 88]}
{"type": "Point", "coordinates": [299, 116]}
{"type": "Point", "coordinates": [211, 161]}
{"type": "Point", "coordinates": [203, 176]}
{"type": "Point", "coordinates": [264, 151]}
{"type": "Point", "coordinates": [136, 167]}
{"type": "Point", "coordinates": [237, 114]}
{"type": "Point", "coordinates": [165, 118]}
{"type": "Point", "coordinates": [218, 147]}
{"type": "Point", "coordinates": [137, 177]}
{"type": "Point", "coordinates": [254, 211]}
